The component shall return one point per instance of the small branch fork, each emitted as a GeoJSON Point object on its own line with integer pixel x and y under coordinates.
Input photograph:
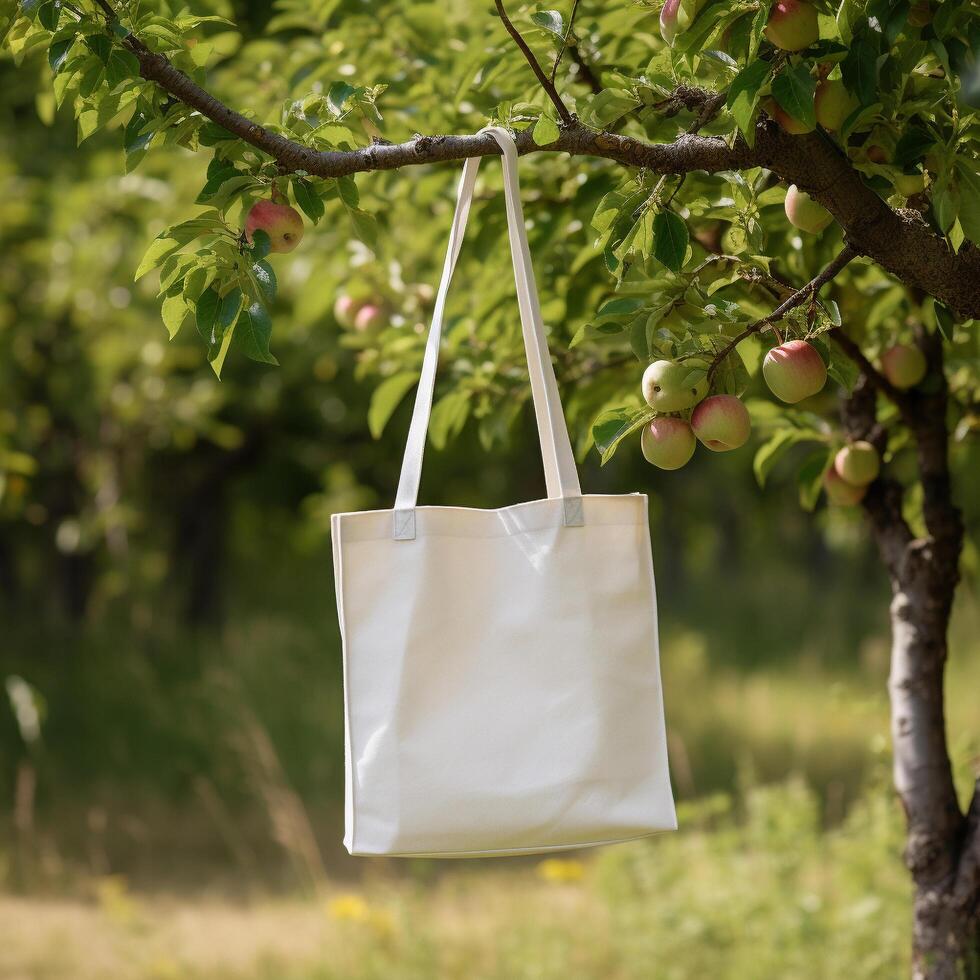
{"type": "Point", "coordinates": [546, 83]}
{"type": "Point", "coordinates": [796, 299]}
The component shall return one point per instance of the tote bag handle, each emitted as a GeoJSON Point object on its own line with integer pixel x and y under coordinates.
{"type": "Point", "coordinates": [561, 476]}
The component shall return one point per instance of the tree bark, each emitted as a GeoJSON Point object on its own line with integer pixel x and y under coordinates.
{"type": "Point", "coordinates": [942, 845]}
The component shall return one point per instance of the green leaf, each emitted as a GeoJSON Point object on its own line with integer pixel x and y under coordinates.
{"type": "Point", "coordinates": [670, 238]}
{"type": "Point", "coordinates": [611, 427]}
{"type": "Point", "coordinates": [969, 211]}
{"type": "Point", "coordinates": [608, 106]}
{"type": "Point", "coordinates": [860, 68]}
{"type": "Point", "coordinates": [619, 307]}
{"type": "Point", "coordinates": [545, 130]}
{"type": "Point", "coordinates": [912, 146]}
{"type": "Point", "coordinates": [773, 449]}
{"type": "Point", "coordinates": [231, 303]}
{"type": "Point", "coordinates": [261, 244]}
{"type": "Point", "coordinates": [551, 21]}
{"type": "Point", "coordinates": [174, 309]}
{"type": "Point", "coordinates": [337, 96]}
{"type": "Point", "coordinates": [365, 227]}
{"type": "Point", "coordinates": [386, 398]}
{"type": "Point", "coordinates": [160, 249]}
{"type": "Point", "coordinates": [219, 351]}
{"type": "Point", "coordinates": [220, 193]}
{"type": "Point", "coordinates": [58, 52]}
{"type": "Point", "coordinates": [743, 95]}
{"type": "Point", "coordinates": [206, 313]}
{"type": "Point", "coordinates": [348, 191]}
{"type": "Point", "coordinates": [265, 277]}
{"type": "Point", "coordinates": [122, 64]}
{"type": "Point", "coordinates": [253, 332]}
{"type": "Point", "coordinates": [794, 88]}
{"type": "Point", "coordinates": [809, 479]}
{"type": "Point", "coordinates": [48, 14]}
{"type": "Point", "coordinates": [448, 417]}
{"type": "Point", "coordinates": [308, 200]}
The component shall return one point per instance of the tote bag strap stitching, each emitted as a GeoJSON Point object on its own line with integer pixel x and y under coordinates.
{"type": "Point", "coordinates": [561, 476]}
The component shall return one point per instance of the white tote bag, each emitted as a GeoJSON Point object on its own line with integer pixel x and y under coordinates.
{"type": "Point", "coordinates": [501, 674]}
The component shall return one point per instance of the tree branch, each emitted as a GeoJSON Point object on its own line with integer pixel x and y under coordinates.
{"type": "Point", "coordinates": [901, 242]}
{"type": "Point", "coordinates": [564, 40]}
{"type": "Point", "coordinates": [546, 83]}
{"type": "Point", "coordinates": [810, 289]}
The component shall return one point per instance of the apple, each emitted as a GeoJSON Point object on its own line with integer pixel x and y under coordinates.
{"type": "Point", "coordinates": [667, 442]}
{"type": "Point", "coordinates": [345, 310]}
{"type": "Point", "coordinates": [280, 222]}
{"type": "Point", "coordinates": [663, 387]}
{"type": "Point", "coordinates": [839, 491]}
{"type": "Point", "coordinates": [369, 317]}
{"type": "Point", "coordinates": [904, 365]}
{"type": "Point", "coordinates": [677, 16]}
{"type": "Point", "coordinates": [858, 463]}
{"type": "Point", "coordinates": [794, 371]}
{"type": "Point", "coordinates": [792, 25]}
{"type": "Point", "coordinates": [792, 126]}
{"type": "Point", "coordinates": [805, 213]}
{"type": "Point", "coordinates": [721, 422]}
{"type": "Point", "coordinates": [833, 104]}
{"type": "Point", "coordinates": [876, 153]}
{"type": "Point", "coordinates": [909, 184]}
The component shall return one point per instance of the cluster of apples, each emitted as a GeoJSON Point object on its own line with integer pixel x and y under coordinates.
{"type": "Point", "coordinates": [721, 422]}
{"type": "Point", "coordinates": [793, 371]}
{"type": "Point", "coordinates": [282, 223]}
{"type": "Point", "coordinates": [792, 24]}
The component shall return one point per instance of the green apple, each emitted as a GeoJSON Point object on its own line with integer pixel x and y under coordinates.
{"type": "Point", "coordinates": [858, 463]}
{"type": "Point", "coordinates": [664, 387]}
{"type": "Point", "coordinates": [805, 213]}
{"type": "Point", "coordinates": [667, 442]}
{"type": "Point", "coordinates": [839, 491]}
{"type": "Point", "coordinates": [904, 365]}
{"type": "Point", "coordinates": [794, 371]}
{"type": "Point", "coordinates": [721, 422]}
{"type": "Point", "coordinates": [909, 184]}
{"type": "Point", "coordinates": [833, 104]}
{"type": "Point", "coordinates": [792, 25]}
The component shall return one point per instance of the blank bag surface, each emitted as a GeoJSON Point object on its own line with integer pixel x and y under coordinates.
{"type": "Point", "coordinates": [501, 675]}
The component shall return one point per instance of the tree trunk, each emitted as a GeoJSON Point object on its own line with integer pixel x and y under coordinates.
{"type": "Point", "coordinates": [943, 844]}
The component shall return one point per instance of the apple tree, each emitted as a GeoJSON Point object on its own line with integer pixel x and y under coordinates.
{"type": "Point", "coordinates": [762, 214]}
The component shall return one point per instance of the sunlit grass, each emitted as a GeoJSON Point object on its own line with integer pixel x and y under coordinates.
{"type": "Point", "coordinates": [749, 890]}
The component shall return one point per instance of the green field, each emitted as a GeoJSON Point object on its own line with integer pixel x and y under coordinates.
{"type": "Point", "coordinates": [187, 826]}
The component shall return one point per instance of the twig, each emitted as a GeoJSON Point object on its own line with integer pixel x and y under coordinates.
{"type": "Point", "coordinates": [586, 73]}
{"type": "Point", "coordinates": [564, 41]}
{"type": "Point", "coordinates": [810, 289]}
{"type": "Point", "coordinates": [708, 112]}
{"type": "Point", "coordinates": [546, 83]}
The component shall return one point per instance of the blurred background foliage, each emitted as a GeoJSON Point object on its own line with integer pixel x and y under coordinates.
{"type": "Point", "coordinates": [165, 584]}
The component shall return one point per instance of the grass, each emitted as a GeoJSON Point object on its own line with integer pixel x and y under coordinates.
{"type": "Point", "coordinates": [186, 827]}
{"type": "Point", "coordinates": [756, 890]}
